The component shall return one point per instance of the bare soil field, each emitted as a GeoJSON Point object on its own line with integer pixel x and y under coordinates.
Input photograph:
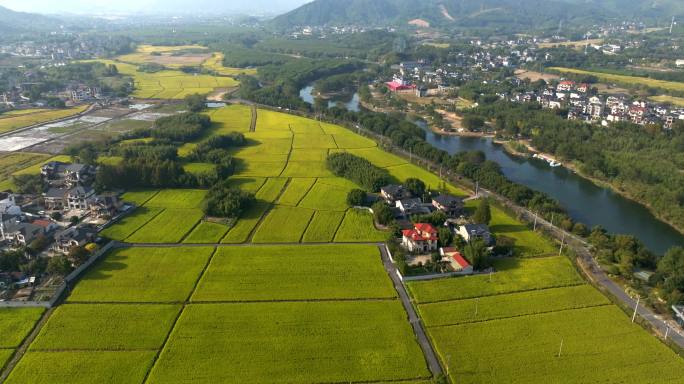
{"type": "Point", "coordinates": [534, 76]}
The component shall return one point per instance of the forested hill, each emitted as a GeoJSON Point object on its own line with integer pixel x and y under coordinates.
{"type": "Point", "coordinates": [11, 21]}
{"type": "Point", "coordinates": [497, 14]}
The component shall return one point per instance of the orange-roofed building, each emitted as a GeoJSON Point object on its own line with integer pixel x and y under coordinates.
{"type": "Point", "coordinates": [456, 261]}
{"type": "Point", "coordinates": [422, 238]}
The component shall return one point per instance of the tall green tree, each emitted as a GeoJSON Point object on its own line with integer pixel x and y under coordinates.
{"type": "Point", "coordinates": [483, 213]}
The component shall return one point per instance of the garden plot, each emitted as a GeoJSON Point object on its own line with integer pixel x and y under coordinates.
{"type": "Point", "coordinates": [276, 273]}
{"type": "Point", "coordinates": [142, 275]}
{"type": "Point", "coordinates": [364, 341]}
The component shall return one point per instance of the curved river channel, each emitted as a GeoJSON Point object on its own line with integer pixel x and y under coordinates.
{"type": "Point", "coordinates": [585, 201]}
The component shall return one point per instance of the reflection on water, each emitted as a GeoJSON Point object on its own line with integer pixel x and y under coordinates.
{"type": "Point", "coordinates": [353, 104]}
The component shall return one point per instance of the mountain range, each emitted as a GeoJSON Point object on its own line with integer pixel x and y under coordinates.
{"type": "Point", "coordinates": [11, 21]}
{"type": "Point", "coordinates": [480, 13]}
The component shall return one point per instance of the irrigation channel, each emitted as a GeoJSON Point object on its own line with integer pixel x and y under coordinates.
{"type": "Point", "coordinates": [585, 201]}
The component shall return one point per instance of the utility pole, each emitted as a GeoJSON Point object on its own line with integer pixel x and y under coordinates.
{"type": "Point", "coordinates": [560, 350]}
{"type": "Point", "coordinates": [552, 214]}
{"type": "Point", "coordinates": [561, 247]}
{"type": "Point", "coordinates": [535, 222]}
{"type": "Point", "coordinates": [586, 46]}
{"type": "Point", "coordinates": [635, 309]}
{"type": "Point", "coordinates": [667, 332]}
{"type": "Point", "coordinates": [672, 24]}
{"type": "Point", "coordinates": [477, 189]}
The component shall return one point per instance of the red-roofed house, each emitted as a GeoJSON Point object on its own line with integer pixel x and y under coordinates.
{"type": "Point", "coordinates": [422, 238]}
{"type": "Point", "coordinates": [398, 84]}
{"type": "Point", "coordinates": [457, 262]}
{"type": "Point", "coordinates": [565, 86]}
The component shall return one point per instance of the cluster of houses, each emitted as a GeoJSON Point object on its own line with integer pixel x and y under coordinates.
{"type": "Point", "coordinates": [599, 109]}
{"type": "Point", "coordinates": [423, 238]}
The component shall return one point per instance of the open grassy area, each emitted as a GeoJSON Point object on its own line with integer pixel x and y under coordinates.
{"type": "Point", "coordinates": [677, 101]}
{"type": "Point", "coordinates": [512, 275]}
{"type": "Point", "coordinates": [206, 233]}
{"type": "Point", "coordinates": [325, 342]}
{"type": "Point", "coordinates": [510, 305]}
{"type": "Point", "coordinates": [294, 273]}
{"type": "Point", "coordinates": [215, 63]}
{"type": "Point", "coordinates": [626, 80]}
{"type": "Point", "coordinates": [82, 367]}
{"type": "Point", "coordinates": [106, 327]}
{"type": "Point", "coordinates": [358, 226]}
{"type": "Point", "coordinates": [13, 162]}
{"type": "Point", "coordinates": [143, 275]}
{"type": "Point", "coordinates": [600, 345]}
{"type": "Point", "coordinates": [15, 325]}
{"type": "Point", "coordinates": [283, 225]}
{"type": "Point", "coordinates": [13, 122]}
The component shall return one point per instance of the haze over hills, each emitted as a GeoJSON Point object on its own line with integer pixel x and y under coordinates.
{"type": "Point", "coordinates": [153, 7]}
{"type": "Point", "coordinates": [11, 21]}
{"type": "Point", "coordinates": [467, 13]}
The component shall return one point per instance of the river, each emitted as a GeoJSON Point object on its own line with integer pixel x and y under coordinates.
{"type": "Point", "coordinates": [353, 104]}
{"type": "Point", "coordinates": [585, 201]}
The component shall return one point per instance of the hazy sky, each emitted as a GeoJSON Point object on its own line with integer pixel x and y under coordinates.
{"type": "Point", "coordinates": [151, 6]}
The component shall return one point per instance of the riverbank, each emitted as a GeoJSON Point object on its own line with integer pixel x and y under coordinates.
{"type": "Point", "coordinates": [575, 167]}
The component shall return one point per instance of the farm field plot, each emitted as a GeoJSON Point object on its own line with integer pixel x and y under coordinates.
{"type": "Point", "coordinates": [82, 367]}
{"type": "Point", "coordinates": [139, 197]}
{"type": "Point", "coordinates": [271, 190]}
{"type": "Point", "coordinates": [283, 225]}
{"type": "Point", "coordinates": [207, 233]}
{"type": "Point", "coordinates": [623, 79]}
{"type": "Point", "coordinates": [376, 156]}
{"type": "Point", "coordinates": [15, 325]}
{"type": "Point", "coordinates": [199, 168]}
{"type": "Point", "coordinates": [352, 141]}
{"type": "Point", "coordinates": [328, 195]}
{"type": "Point", "coordinates": [178, 199]}
{"type": "Point", "coordinates": [295, 273]}
{"type": "Point", "coordinates": [510, 305]}
{"type": "Point", "coordinates": [35, 168]}
{"type": "Point", "coordinates": [248, 221]}
{"type": "Point", "coordinates": [215, 63]}
{"type": "Point", "coordinates": [512, 275]}
{"type": "Point", "coordinates": [527, 242]}
{"type": "Point", "coordinates": [13, 122]}
{"type": "Point", "coordinates": [302, 155]}
{"type": "Point", "coordinates": [323, 227]}
{"type": "Point", "coordinates": [307, 169]}
{"type": "Point", "coordinates": [296, 190]}
{"type": "Point", "coordinates": [132, 275]}
{"type": "Point", "coordinates": [131, 223]}
{"type": "Point", "coordinates": [249, 184]}
{"type": "Point", "coordinates": [291, 342]}
{"type": "Point", "coordinates": [260, 168]}
{"type": "Point", "coordinates": [170, 226]}
{"type": "Point", "coordinates": [5, 356]}
{"type": "Point", "coordinates": [276, 121]}
{"type": "Point", "coordinates": [678, 101]}
{"type": "Point", "coordinates": [106, 327]}
{"type": "Point", "coordinates": [406, 171]}
{"type": "Point", "coordinates": [600, 345]}
{"type": "Point", "coordinates": [13, 162]}
{"type": "Point", "coordinates": [233, 118]}
{"type": "Point", "coordinates": [313, 141]}
{"type": "Point", "coordinates": [358, 226]}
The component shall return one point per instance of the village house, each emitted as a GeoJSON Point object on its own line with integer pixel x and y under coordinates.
{"type": "Point", "coordinates": [450, 205]}
{"type": "Point", "coordinates": [472, 232]}
{"type": "Point", "coordinates": [413, 206]}
{"type": "Point", "coordinates": [17, 232]}
{"type": "Point", "coordinates": [78, 198]}
{"type": "Point", "coordinates": [73, 237]}
{"type": "Point", "coordinates": [456, 261]}
{"type": "Point", "coordinates": [105, 206]}
{"type": "Point", "coordinates": [565, 86]}
{"type": "Point", "coordinates": [57, 172]}
{"type": "Point", "coordinates": [422, 238]}
{"type": "Point", "coordinates": [392, 193]}
{"type": "Point", "coordinates": [54, 199]}
{"type": "Point", "coordinates": [8, 205]}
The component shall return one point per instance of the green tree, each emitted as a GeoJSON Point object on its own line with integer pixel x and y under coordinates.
{"type": "Point", "coordinates": [477, 254]}
{"type": "Point", "coordinates": [195, 103]}
{"type": "Point", "coordinates": [483, 213]}
{"type": "Point", "coordinates": [58, 266]}
{"type": "Point", "coordinates": [416, 187]}
{"type": "Point", "coordinates": [79, 255]}
{"type": "Point", "coordinates": [356, 198]}
{"type": "Point", "coordinates": [446, 237]}
{"type": "Point", "coordinates": [383, 213]}
{"type": "Point", "coordinates": [28, 184]}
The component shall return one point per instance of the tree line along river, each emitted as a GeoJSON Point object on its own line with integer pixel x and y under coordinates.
{"type": "Point", "coordinates": [585, 201]}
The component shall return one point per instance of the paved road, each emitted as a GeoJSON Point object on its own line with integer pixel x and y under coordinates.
{"type": "Point", "coordinates": [417, 325]}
